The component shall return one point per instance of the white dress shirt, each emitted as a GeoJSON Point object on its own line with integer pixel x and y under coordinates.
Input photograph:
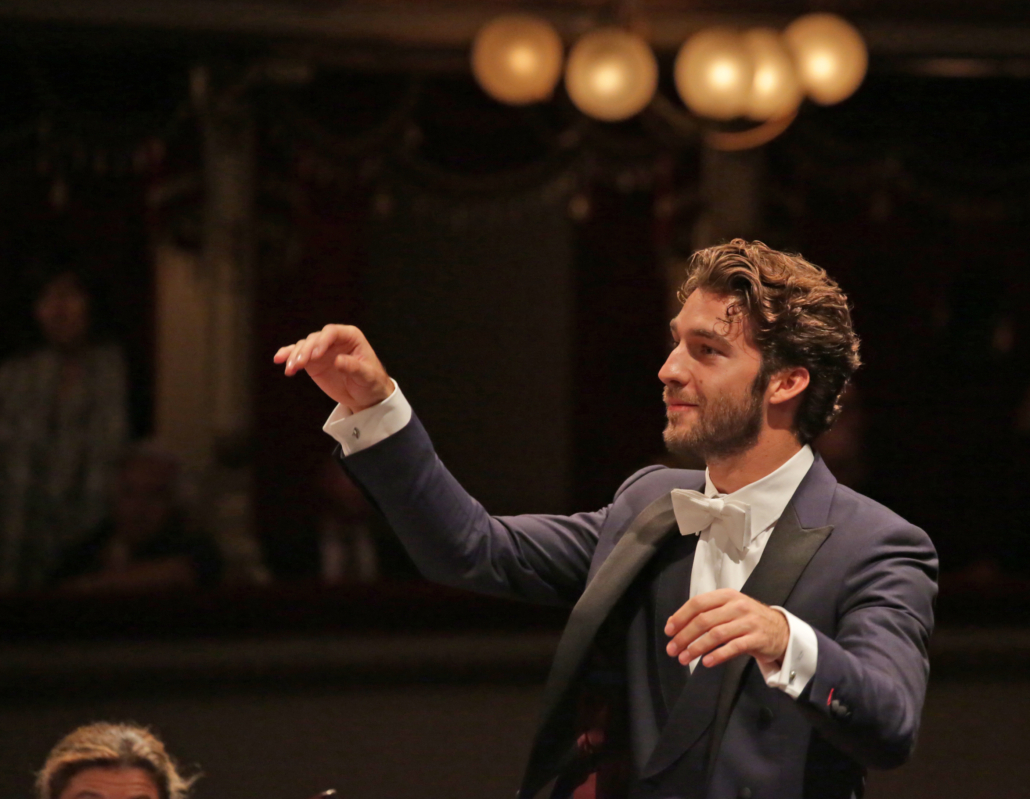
{"type": "Point", "coordinates": [721, 566]}
{"type": "Point", "coordinates": [713, 567]}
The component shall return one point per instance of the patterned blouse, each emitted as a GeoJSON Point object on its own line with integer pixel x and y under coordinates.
{"type": "Point", "coordinates": [57, 452]}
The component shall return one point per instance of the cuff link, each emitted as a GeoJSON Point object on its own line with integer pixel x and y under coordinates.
{"type": "Point", "coordinates": [356, 433]}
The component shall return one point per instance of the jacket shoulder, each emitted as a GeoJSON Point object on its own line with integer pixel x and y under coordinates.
{"type": "Point", "coordinates": [851, 510]}
{"type": "Point", "coordinates": [634, 495]}
{"type": "Point", "coordinates": [653, 481]}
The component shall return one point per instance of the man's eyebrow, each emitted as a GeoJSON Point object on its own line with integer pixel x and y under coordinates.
{"type": "Point", "coordinates": [91, 794]}
{"type": "Point", "coordinates": [711, 335]}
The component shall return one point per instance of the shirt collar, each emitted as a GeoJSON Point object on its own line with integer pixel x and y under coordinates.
{"type": "Point", "coordinates": [768, 496]}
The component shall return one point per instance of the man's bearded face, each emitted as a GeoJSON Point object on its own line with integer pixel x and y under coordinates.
{"type": "Point", "coordinates": [714, 382]}
{"type": "Point", "coordinates": [719, 426]}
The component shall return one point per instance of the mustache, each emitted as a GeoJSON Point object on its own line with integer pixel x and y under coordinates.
{"type": "Point", "coordinates": [671, 397]}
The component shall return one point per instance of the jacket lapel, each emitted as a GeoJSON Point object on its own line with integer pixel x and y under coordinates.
{"type": "Point", "coordinates": [709, 694]}
{"type": "Point", "coordinates": [671, 588]}
{"type": "Point", "coordinates": [788, 552]}
{"type": "Point", "coordinates": [633, 551]}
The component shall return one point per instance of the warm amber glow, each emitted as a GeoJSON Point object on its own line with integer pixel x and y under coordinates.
{"type": "Point", "coordinates": [775, 89]}
{"type": "Point", "coordinates": [723, 74]}
{"type": "Point", "coordinates": [714, 73]}
{"type": "Point", "coordinates": [608, 79]}
{"type": "Point", "coordinates": [523, 60]}
{"type": "Point", "coordinates": [830, 55]}
{"type": "Point", "coordinates": [822, 66]}
{"type": "Point", "coordinates": [517, 59]}
{"type": "Point", "coordinates": [611, 75]}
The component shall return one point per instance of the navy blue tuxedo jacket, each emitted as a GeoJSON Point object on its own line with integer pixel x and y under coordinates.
{"type": "Point", "coordinates": [863, 577]}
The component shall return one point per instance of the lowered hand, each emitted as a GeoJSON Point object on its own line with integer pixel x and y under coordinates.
{"type": "Point", "coordinates": [726, 624]}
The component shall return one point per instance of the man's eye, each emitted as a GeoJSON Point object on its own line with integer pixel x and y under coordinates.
{"type": "Point", "coordinates": [706, 350]}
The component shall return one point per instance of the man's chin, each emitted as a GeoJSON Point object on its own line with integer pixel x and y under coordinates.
{"type": "Point", "coordinates": [678, 440]}
{"type": "Point", "coordinates": [684, 442]}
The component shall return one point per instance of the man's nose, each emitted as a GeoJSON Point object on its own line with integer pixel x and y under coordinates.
{"type": "Point", "coordinates": [672, 372]}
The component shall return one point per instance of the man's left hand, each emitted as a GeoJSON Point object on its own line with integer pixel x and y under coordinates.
{"type": "Point", "coordinates": [726, 624]}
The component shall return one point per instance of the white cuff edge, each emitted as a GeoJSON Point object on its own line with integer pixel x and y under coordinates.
{"type": "Point", "coordinates": [357, 431]}
{"type": "Point", "coordinates": [799, 661]}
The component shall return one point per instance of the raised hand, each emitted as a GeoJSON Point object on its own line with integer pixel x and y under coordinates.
{"type": "Point", "coordinates": [726, 624]}
{"type": "Point", "coordinates": [342, 363]}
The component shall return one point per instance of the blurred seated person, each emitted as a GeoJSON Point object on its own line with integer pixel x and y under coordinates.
{"type": "Point", "coordinates": [111, 761]}
{"type": "Point", "coordinates": [149, 542]}
{"type": "Point", "coordinates": [63, 421]}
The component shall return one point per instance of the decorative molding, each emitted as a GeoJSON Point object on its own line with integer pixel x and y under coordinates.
{"type": "Point", "coordinates": [453, 25]}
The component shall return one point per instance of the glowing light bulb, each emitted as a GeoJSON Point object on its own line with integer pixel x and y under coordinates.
{"type": "Point", "coordinates": [714, 72]}
{"type": "Point", "coordinates": [517, 59]}
{"type": "Point", "coordinates": [775, 89]}
{"type": "Point", "coordinates": [608, 79]}
{"type": "Point", "coordinates": [523, 60]}
{"type": "Point", "coordinates": [830, 55]}
{"type": "Point", "coordinates": [723, 74]}
{"type": "Point", "coordinates": [611, 74]}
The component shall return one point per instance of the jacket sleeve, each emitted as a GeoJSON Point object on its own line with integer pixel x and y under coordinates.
{"type": "Point", "coordinates": [454, 541]}
{"type": "Point", "coordinates": [866, 697]}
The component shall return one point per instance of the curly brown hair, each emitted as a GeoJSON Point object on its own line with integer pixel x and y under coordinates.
{"type": "Point", "coordinates": [104, 745]}
{"type": "Point", "coordinates": [797, 316]}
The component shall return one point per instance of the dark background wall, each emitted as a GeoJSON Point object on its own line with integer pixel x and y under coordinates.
{"type": "Point", "coordinates": [471, 307]}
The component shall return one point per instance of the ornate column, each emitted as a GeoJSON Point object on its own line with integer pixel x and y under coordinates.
{"type": "Point", "coordinates": [205, 306]}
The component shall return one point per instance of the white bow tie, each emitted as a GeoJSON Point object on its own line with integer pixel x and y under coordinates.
{"type": "Point", "coordinates": [730, 519]}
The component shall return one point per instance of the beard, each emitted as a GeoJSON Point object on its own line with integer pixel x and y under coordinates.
{"type": "Point", "coordinates": [726, 427]}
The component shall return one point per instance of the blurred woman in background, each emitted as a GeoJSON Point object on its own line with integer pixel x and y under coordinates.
{"type": "Point", "coordinates": [63, 422]}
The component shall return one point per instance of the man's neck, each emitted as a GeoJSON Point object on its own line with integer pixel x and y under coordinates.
{"type": "Point", "coordinates": [732, 473]}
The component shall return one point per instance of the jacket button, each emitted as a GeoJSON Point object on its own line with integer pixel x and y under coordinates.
{"type": "Point", "coordinates": [744, 793]}
{"type": "Point", "coordinates": [765, 717]}
{"type": "Point", "coordinates": [839, 710]}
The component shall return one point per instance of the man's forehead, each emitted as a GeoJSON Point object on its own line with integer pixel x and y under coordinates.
{"type": "Point", "coordinates": [709, 316]}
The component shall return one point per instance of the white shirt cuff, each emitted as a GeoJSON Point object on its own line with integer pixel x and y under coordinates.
{"type": "Point", "coordinates": [357, 431]}
{"type": "Point", "coordinates": [799, 660]}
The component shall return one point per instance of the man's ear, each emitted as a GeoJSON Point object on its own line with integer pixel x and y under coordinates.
{"type": "Point", "coordinates": [787, 384]}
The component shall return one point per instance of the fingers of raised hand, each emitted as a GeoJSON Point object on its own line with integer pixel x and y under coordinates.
{"type": "Point", "coordinates": [347, 337]}
{"type": "Point", "coordinates": [310, 350]}
{"type": "Point", "coordinates": [320, 351]}
{"type": "Point", "coordinates": [293, 356]}
{"type": "Point", "coordinates": [282, 355]}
